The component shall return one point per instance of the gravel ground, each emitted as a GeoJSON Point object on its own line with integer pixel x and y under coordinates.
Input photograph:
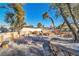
{"type": "Point", "coordinates": [40, 46]}
{"type": "Point", "coordinates": [28, 46]}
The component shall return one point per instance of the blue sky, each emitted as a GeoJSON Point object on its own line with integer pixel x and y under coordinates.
{"type": "Point", "coordinates": [33, 14]}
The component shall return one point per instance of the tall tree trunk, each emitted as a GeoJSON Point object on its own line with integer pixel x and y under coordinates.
{"type": "Point", "coordinates": [71, 28]}
{"type": "Point", "coordinates": [61, 26]}
{"type": "Point", "coordinates": [18, 34]}
{"type": "Point", "coordinates": [73, 17]}
{"type": "Point", "coordinates": [52, 22]}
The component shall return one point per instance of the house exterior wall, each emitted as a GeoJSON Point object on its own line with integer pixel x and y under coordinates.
{"type": "Point", "coordinates": [31, 29]}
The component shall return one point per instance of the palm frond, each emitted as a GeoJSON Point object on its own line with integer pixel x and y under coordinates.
{"type": "Point", "coordinates": [9, 18]}
{"type": "Point", "coordinates": [45, 15]}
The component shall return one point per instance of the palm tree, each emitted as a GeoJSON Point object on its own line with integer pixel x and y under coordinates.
{"type": "Point", "coordinates": [17, 7]}
{"type": "Point", "coordinates": [17, 22]}
{"type": "Point", "coordinates": [45, 15]}
{"type": "Point", "coordinates": [39, 25]}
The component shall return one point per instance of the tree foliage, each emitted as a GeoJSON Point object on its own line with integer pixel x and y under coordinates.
{"type": "Point", "coordinates": [39, 25]}
{"type": "Point", "coordinates": [16, 19]}
{"type": "Point", "coordinates": [65, 12]}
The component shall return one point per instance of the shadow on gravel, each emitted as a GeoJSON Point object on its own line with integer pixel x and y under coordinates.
{"type": "Point", "coordinates": [62, 40]}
